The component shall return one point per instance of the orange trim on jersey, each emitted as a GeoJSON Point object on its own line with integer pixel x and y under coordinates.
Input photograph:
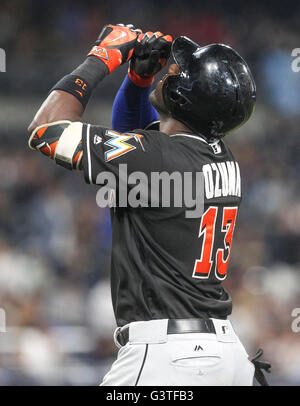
{"type": "Point", "coordinates": [139, 139]}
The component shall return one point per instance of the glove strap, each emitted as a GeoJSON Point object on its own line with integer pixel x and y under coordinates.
{"type": "Point", "coordinates": [111, 57]}
{"type": "Point", "coordinates": [139, 81]}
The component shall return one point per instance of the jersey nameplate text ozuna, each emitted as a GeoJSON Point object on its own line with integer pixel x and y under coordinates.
{"type": "Point", "coordinates": [222, 179]}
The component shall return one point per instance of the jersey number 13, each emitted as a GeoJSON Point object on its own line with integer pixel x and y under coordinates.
{"type": "Point", "coordinates": [212, 256]}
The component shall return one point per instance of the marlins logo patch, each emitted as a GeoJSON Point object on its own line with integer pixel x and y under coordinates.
{"type": "Point", "coordinates": [119, 145]}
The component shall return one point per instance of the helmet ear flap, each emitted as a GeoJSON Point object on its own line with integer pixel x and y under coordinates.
{"type": "Point", "coordinates": [171, 92]}
{"type": "Point", "coordinates": [177, 98]}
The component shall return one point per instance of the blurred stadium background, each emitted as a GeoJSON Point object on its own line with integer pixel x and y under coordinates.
{"type": "Point", "coordinates": [55, 241]}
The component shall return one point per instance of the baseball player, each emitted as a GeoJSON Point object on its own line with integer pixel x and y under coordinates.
{"type": "Point", "coordinates": [167, 268]}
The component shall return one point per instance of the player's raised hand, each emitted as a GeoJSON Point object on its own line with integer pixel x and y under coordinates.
{"type": "Point", "coordinates": [151, 53]}
{"type": "Point", "coordinates": [115, 44]}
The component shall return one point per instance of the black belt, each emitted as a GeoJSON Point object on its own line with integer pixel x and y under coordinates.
{"type": "Point", "coordinates": [175, 326]}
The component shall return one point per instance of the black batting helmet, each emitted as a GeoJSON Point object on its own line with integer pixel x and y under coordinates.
{"type": "Point", "coordinates": [214, 92]}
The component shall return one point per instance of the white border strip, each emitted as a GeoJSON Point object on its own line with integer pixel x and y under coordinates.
{"type": "Point", "coordinates": [89, 152]}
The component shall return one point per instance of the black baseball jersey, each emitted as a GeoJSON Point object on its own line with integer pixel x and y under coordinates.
{"type": "Point", "coordinates": [165, 264]}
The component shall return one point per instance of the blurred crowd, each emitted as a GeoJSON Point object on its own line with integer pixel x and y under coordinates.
{"type": "Point", "coordinates": [55, 241]}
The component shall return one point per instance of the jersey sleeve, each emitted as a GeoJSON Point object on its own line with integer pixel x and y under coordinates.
{"type": "Point", "coordinates": [107, 150]}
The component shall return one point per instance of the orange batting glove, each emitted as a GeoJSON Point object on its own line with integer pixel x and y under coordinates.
{"type": "Point", "coordinates": [115, 45]}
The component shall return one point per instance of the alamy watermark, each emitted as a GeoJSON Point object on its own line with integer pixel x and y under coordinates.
{"type": "Point", "coordinates": [296, 61]}
{"type": "Point", "coordinates": [296, 322]}
{"type": "Point", "coordinates": [2, 60]}
{"type": "Point", "coordinates": [186, 190]}
{"type": "Point", "coordinates": [158, 189]}
{"type": "Point", "coordinates": [2, 321]}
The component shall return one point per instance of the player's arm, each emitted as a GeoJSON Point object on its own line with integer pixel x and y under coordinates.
{"type": "Point", "coordinates": [56, 128]}
{"type": "Point", "coordinates": [70, 95]}
{"type": "Point", "coordinates": [131, 108]}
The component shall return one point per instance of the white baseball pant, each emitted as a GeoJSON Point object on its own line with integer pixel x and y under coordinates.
{"type": "Point", "coordinates": [154, 358]}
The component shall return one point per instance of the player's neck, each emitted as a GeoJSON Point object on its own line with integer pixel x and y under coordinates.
{"type": "Point", "coordinates": [170, 126]}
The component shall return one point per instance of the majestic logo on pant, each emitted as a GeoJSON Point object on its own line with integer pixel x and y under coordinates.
{"type": "Point", "coordinates": [225, 329]}
{"type": "Point", "coordinates": [198, 348]}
